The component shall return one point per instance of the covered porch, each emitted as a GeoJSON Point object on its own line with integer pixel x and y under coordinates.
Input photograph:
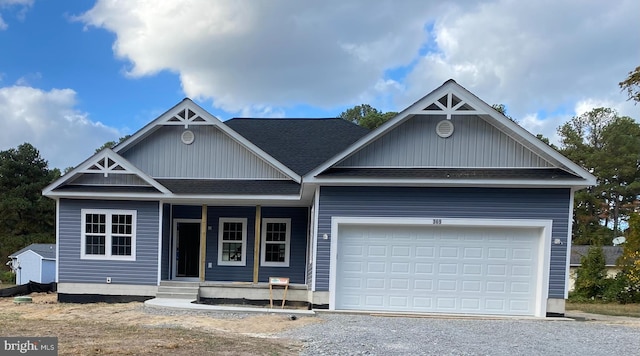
{"type": "Point", "coordinates": [226, 254]}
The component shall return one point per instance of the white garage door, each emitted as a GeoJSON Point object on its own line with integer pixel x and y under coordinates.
{"type": "Point", "coordinates": [443, 269]}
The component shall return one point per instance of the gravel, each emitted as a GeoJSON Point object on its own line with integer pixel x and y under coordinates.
{"type": "Point", "coordinates": [347, 334]}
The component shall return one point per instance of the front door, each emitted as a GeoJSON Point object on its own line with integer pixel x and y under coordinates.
{"type": "Point", "coordinates": [186, 249]}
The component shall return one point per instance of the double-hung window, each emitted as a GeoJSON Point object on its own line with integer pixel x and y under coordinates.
{"type": "Point", "coordinates": [276, 242]}
{"type": "Point", "coordinates": [108, 234]}
{"type": "Point", "coordinates": [232, 242]}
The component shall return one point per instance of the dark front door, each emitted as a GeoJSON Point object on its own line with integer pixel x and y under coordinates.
{"type": "Point", "coordinates": [188, 249]}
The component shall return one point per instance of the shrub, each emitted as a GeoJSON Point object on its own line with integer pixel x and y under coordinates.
{"type": "Point", "coordinates": [7, 277]}
{"type": "Point", "coordinates": [591, 280]}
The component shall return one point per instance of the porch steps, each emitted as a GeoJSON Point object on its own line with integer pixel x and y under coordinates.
{"type": "Point", "coordinates": [178, 290]}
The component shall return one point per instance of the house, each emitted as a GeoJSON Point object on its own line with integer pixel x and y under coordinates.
{"type": "Point", "coordinates": [611, 255]}
{"type": "Point", "coordinates": [36, 262]}
{"type": "Point", "coordinates": [449, 207]}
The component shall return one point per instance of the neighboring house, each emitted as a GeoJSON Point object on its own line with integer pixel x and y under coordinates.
{"type": "Point", "coordinates": [36, 262]}
{"type": "Point", "coordinates": [611, 255]}
{"type": "Point", "coordinates": [449, 207]}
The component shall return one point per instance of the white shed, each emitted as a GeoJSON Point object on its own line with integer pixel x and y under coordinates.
{"type": "Point", "coordinates": [36, 262]}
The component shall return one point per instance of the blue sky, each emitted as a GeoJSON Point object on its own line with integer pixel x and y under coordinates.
{"type": "Point", "coordinates": [75, 74]}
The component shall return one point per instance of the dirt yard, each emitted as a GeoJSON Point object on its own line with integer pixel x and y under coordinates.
{"type": "Point", "coordinates": [125, 329]}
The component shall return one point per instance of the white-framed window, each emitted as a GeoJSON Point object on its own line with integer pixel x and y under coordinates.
{"type": "Point", "coordinates": [232, 242]}
{"type": "Point", "coordinates": [108, 234]}
{"type": "Point", "coordinates": [276, 242]}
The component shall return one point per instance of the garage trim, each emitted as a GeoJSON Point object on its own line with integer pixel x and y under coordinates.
{"type": "Point", "coordinates": [542, 287]}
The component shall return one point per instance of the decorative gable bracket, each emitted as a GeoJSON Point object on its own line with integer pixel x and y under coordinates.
{"type": "Point", "coordinates": [186, 116]}
{"type": "Point", "coordinates": [106, 165]}
{"type": "Point", "coordinates": [450, 104]}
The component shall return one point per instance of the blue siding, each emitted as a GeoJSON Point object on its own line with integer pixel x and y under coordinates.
{"type": "Point", "coordinates": [229, 273]}
{"type": "Point", "coordinates": [144, 270]}
{"type": "Point", "coordinates": [480, 203]}
{"type": "Point", "coordinates": [48, 271]}
{"type": "Point", "coordinates": [298, 250]}
{"type": "Point", "coordinates": [166, 239]}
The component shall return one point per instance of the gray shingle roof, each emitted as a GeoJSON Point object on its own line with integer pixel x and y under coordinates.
{"type": "Point", "coordinates": [611, 254]}
{"type": "Point", "coordinates": [226, 186]}
{"type": "Point", "coordinates": [47, 251]}
{"type": "Point", "coordinates": [300, 144]}
{"type": "Point", "coordinates": [452, 173]}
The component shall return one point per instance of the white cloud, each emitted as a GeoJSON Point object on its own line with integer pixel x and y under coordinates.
{"type": "Point", "coordinates": [535, 56]}
{"type": "Point", "coordinates": [50, 122]}
{"type": "Point", "coordinates": [275, 53]}
{"type": "Point", "coordinates": [23, 4]}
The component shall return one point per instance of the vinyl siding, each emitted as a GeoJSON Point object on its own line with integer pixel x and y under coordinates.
{"type": "Point", "coordinates": [213, 154]}
{"type": "Point", "coordinates": [111, 179]}
{"type": "Point", "coordinates": [478, 203]}
{"type": "Point", "coordinates": [142, 271]}
{"type": "Point", "coordinates": [30, 267]}
{"type": "Point", "coordinates": [166, 241]}
{"type": "Point", "coordinates": [48, 271]}
{"type": "Point", "coordinates": [474, 143]}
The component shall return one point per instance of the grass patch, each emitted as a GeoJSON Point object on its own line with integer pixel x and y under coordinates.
{"type": "Point", "coordinates": [614, 309]}
{"type": "Point", "coordinates": [6, 285]}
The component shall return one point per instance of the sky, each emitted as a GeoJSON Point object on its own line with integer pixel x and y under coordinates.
{"type": "Point", "coordinates": [76, 74]}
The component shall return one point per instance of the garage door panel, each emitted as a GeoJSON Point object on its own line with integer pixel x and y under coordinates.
{"type": "Point", "coordinates": [400, 268]}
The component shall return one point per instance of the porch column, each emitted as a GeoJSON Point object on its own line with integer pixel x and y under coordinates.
{"type": "Point", "coordinates": [203, 241]}
{"type": "Point", "coordinates": [256, 245]}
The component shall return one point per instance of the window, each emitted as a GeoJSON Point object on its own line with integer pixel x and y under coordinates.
{"type": "Point", "coordinates": [232, 242]}
{"type": "Point", "coordinates": [108, 234]}
{"type": "Point", "coordinates": [276, 241]}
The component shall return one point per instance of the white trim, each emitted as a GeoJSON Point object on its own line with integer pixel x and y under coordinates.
{"type": "Point", "coordinates": [544, 247]}
{"type": "Point", "coordinates": [221, 222]}
{"type": "Point", "coordinates": [210, 120]}
{"type": "Point", "coordinates": [263, 242]}
{"type": "Point", "coordinates": [160, 231]}
{"type": "Point", "coordinates": [107, 153]}
{"type": "Point", "coordinates": [569, 243]}
{"type": "Point", "coordinates": [57, 240]}
{"type": "Point", "coordinates": [108, 241]}
{"type": "Point", "coordinates": [502, 123]}
{"type": "Point", "coordinates": [450, 182]}
{"type": "Point", "coordinates": [316, 203]}
{"type": "Point", "coordinates": [174, 248]}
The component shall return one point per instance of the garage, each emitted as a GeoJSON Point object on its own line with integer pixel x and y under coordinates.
{"type": "Point", "coordinates": [448, 266]}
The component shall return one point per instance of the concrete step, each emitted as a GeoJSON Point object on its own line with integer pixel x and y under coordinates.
{"type": "Point", "coordinates": [190, 296]}
{"type": "Point", "coordinates": [179, 284]}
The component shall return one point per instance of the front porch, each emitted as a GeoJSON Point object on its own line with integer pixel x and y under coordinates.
{"type": "Point", "coordinates": [236, 293]}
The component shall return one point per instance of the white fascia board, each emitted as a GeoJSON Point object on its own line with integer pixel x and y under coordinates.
{"type": "Point", "coordinates": [105, 153]}
{"type": "Point", "coordinates": [518, 133]}
{"type": "Point", "coordinates": [450, 182]}
{"type": "Point", "coordinates": [507, 126]}
{"type": "Point", "coordinates": [209, 120]}
{"type": "Point", "coordinates": [415, 108]}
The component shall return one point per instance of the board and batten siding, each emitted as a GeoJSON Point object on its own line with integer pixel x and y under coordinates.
{"type": "Point", "coordinates": [474, 143]}
{"type": "Point", "coordinates": [213, 154]}
{"type": "Point", "coordinates": [475, 203]}
{"type": "Point", "coordinates": [142, 271]}
{"type": "Point", "coordinates": [111, 179]}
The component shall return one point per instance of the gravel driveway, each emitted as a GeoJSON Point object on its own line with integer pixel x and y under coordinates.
{"type": "Point", "coordinates": [345, 334]}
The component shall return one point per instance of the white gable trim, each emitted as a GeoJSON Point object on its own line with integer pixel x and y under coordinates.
{"type": "Point", "coordinates": [104, 162]}
{"type": "Point", "coordinates": [479, 107]}
{"type": "Point", "coordinates": [181, 115]}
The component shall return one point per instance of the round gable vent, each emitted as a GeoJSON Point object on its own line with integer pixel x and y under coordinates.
{"type": "Point", "coordinates": [187, 137]}
{"type": "Point", "coordinates": [444, 128]}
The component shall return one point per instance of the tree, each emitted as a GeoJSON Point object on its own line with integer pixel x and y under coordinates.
{"type": "Point", "coordinates": [606, 145]}
{"type": "Point", "coordinates": [632, 85]}
{"type": "Point", "coordinates": [501, 108]}
{"type": "Point", "coordinates": [27, 216]}
{"type": "Point", "coordinates": [367, 116]}
{"type": "Point", "coordinates": [111, 144]}
{"type": "Point", "coordinates": [592, 274]}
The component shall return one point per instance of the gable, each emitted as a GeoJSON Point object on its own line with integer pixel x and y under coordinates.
{"type": "Point", "coordinates": [212, 155]}
{"type": "Point", "coordinates": [452, 130]}
{"type": "Point", "coordinates": [473, 143]}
